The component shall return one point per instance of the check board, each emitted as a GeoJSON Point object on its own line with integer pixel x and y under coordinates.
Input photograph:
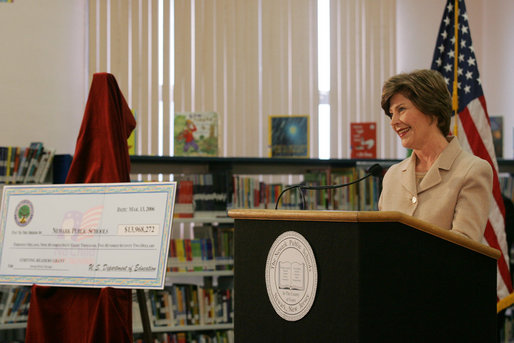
{"type": "Point", "coordinates": [86, 235]}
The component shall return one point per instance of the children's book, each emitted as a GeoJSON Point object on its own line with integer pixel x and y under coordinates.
{"type": "Point", "coordinates": [363, 140]}
{"type": "Point", "coordinates": [196, 134]}
{"type": "Point", "coordinates": [289, 135]}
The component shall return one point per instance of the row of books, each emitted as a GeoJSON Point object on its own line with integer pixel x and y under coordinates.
{"type": "Point", "coordinates": [224, 336]}
{"type": "Point", "coordinates": [25, 164]}
{"type": "Point", "coordinates": [189, 305]}
{"type": "Point", "coordinates": [211, 249]}
{"type": "Point", "coordinates": [249, 192]}
{"type": "Point", "coordinates": [14, 304]}
{"type": "Point", "coordinates": [211, 195]}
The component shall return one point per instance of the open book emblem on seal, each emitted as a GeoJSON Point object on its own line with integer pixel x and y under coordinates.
{"type": "Point", "coordinates": [291, 276]}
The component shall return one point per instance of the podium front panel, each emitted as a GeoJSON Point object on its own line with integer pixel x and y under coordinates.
{"type": "Point", "coordinates": [376, 282]}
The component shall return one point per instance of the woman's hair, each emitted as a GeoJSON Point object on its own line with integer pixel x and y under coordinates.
{"type": "Point", "coordinates": [427, 90]}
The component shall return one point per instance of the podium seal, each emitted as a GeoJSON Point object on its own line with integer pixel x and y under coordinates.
{"type": "Point", "coordinates": [291, 276]}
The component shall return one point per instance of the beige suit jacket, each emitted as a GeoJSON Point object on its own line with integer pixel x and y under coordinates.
{"type": "Point", "coordinates": [454, 194]}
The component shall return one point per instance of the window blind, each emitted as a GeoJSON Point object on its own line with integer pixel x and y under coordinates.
{"type": "Point", "coordinates": [245, 60]}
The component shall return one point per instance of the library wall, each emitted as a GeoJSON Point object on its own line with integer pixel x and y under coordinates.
{"type": "Point", "coordinates": [42, 72]}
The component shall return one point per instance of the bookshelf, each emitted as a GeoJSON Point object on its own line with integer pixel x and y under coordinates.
{"type": "Point", "coordinates": [266, 166]}
{"type": "Point", "coordinates": [240, 165]}
{"type": "Point", "coordinates": [255, 165]}
{"type": "Point", "coordinates": [197, 300]}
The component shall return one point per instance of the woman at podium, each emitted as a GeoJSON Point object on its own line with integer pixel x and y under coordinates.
{"type": "Point", "coordinates": [440, 182]}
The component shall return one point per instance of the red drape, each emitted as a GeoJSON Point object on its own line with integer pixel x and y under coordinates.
{"type": "Point", "coordinates": [90, 315]}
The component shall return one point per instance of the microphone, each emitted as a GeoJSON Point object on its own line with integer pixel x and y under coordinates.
{"type": "Point", "coordinates": [375, 170]}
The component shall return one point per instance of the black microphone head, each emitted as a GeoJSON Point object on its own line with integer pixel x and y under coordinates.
{"type": "Point", "coordinates": [375, 170]}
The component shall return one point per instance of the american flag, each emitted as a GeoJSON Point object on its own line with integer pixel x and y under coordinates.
{"type": "Point", "coordinates": [473, 127]}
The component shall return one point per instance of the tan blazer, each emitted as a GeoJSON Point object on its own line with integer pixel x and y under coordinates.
{"type": "Point", "coordinates": [454, 194]}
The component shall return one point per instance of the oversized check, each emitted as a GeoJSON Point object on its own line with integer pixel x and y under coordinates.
{"type": "Point", "coordinates": [86, 235]}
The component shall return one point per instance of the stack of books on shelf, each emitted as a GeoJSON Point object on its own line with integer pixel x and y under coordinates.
{"type": "Point", "coordinates": [344, 198]}
{"type": "Point", "coordinates": [184, 202]}
{"type": "Point", "coordinates": [211, 249]}
{"type": "Point", "coordinates": [249, 192]}
{"type": "Point", "coordinates": [225, 336]}
{"type": "Point", "coordinates": [362, 196]}
{"type": "Point", "coordinates": [25, 164]}
{"type": "Point", "coordinates": [317, 199]}
{"type": "Point", "coordinates": [190, 305]}
{"type": "Point", "coordinates": [223, 243]}
{"type": "Point", "coordinates": [203, 195]}
{"type": "Point", "coordinates": [210, 195]}
{"type": "Point", "coordinates": [14, 304]}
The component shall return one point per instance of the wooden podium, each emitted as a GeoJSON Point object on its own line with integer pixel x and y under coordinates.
{"type": "Point", "coordinates": [382, 277]}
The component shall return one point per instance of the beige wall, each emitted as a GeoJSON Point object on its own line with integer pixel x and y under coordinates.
{"type": "Point", "coordinates": [42, 72]}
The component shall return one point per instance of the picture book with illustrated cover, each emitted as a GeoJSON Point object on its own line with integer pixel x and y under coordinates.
{"type": "Point", "coordinates": [363, 138]}
{"type": "Point", "coordinates": [289, 136]}
{"type": "Point", "coordinates": [196, 134]}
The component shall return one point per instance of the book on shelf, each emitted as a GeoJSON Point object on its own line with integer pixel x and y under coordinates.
{"type": "Point", "coordinates": [184, 199]}
{"type": "Point", "coordinates": [317, 199]}
{"type": "Point", "coordinates": [211, 248]}
{"type": "Point", "coordinates": [190, 305]}
{"type": "Point", "coordinates": [36, 149]}
{"type": "Point", "coordinates": [203, 195]}
{"type": "Point", "coordinates": [3, 163]}
{"type": "Point", "coordinates": [189, 254]}
{"type": "Point", "coordinates": [44, 166]}
{"type": "Point", "coordinates": [16, 165]}
{"type": "Point", "coordinates": [217, 336]}
{"type": "Point", "coordinates": [196, 134]}
{"type": "Point", "coordinates": [344, 198]}
{"type": "Point", "coordinates": [180, 251]}
{"type": "Point", "coordinates": [25, 164]}
{"type": "Point", "coordinates": [14, 304]}
{"type": "Point", "coordinates": [197, 256]}
{"type": "Point", "coordinates": [137, 322]}
{"type": "Point", "coordinates": [214, 193]}
{"type": "Point", "coordinates": [223, 241]}
{"type": "Point", "coordinates": [211, 194]}
{"type": "Point", "coordinates": [250, 192]}
{"type": "Point", "coordinates": [8, 157]}
{"type": "Point", "coordinates": [289, 136]}
{"type": "Point", "coordinates": [363, 138]}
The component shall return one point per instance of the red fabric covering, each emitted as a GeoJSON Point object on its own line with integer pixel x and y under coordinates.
{"type": "Point", "coordinates": [90, 315]}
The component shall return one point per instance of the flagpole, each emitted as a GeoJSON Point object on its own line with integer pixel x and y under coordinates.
{"type": "Point", "coordinates": [455, 95]}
